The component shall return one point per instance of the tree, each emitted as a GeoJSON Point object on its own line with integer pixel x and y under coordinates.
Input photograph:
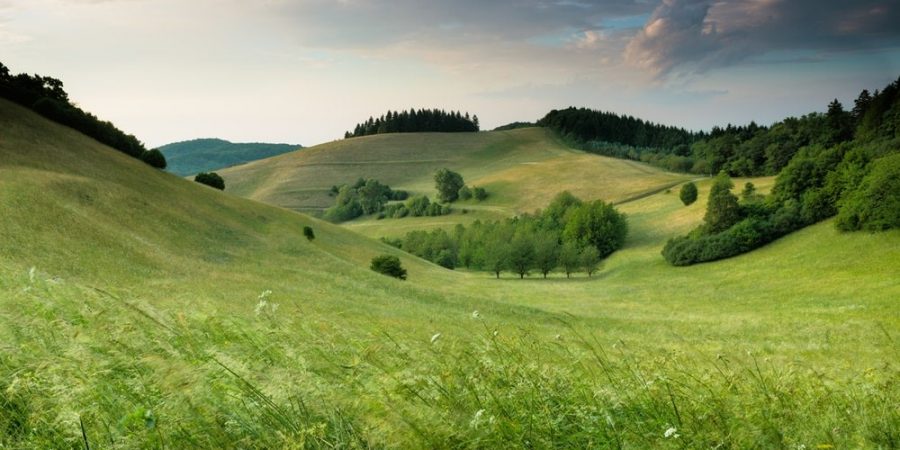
{"type": "Point", "coordinates": [570, 258]}
{"type": "Point", "coordinates": [464, 193]}
{"type": "Point", "coordinates": [308, 232]}
{"type": "Point", "coordinates": [494, 254]}
{"type": "Point", "coordinates": [597, 224]}
{"type": "Point", "coordinates": [546, 252]}
{"type": "Point", "coordinates": [210, 179]}
{"type": "Point", "coordinates": [688, 194]}
{"type": "Point", "coordinates": [448, 184]}
{"type": "Point", "coordinates": [480, 193]}
{"type": "Point", "coordinates": [521, 254]}
{"type": "Point", "coordinates": [722, 209]}
{"type": "Point", "coordinates": [590, 260]}
{"type": "Point", "coordinates": [154, 158]}
{"type": "Point", "coordinates": [388, 265]}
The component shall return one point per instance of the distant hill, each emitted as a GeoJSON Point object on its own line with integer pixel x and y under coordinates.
{"type": "Point", "coordinates": [521, 169]}
{"type": "Point", "coordinates": [201, 155]}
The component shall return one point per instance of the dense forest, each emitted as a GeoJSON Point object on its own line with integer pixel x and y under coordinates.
{"type": "Point", "coordinates": [569, 234]}
{"type": "Point", "coordinates": [46, 96]}
{"type": "Point", "coordinates": [415, 121]}
{"type": "Point", "coordinates": [843, 163]}
{"type": "Point", "coordinates": [749, 150]}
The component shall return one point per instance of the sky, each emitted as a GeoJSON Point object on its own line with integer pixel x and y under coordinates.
{"type": "Point", "coordinates": [305, 71]}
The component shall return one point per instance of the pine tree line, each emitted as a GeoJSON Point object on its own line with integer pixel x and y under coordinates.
{"type": "Point", "coordinates": [416, 121]}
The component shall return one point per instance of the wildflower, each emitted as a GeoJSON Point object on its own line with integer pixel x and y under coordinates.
{"type": "Point", "coordinates": [475, 314]}
{"type": "Point", "coordinates": [672, 432]}
{"type": "Point", "coordinates": [435, 337]}
{"type": "Point", "coordinates": [476, 420]}
{"type": "Point", "coordinates": [496, 333]}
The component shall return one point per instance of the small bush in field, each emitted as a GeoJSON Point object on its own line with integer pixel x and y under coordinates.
{"type": "Point", "coordinates": [388, 265]}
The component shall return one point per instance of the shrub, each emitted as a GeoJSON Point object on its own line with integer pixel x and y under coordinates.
{"type": "Point", "coordinates": [211, 179]}
{"type": "Point", "coordinates": [308, 232]}
{"type": "Point", "coordinates": [154, 158]}
{"type": "Point", "coordinates": [480, 193]}
{"type": "Point", "coordinates": [722, 209]}
{"type": "Point", "coordinates": [688, 193]}
{"type": "Point", "coordinates": [464, 193]}
{"type": "Point", "coordinates": [388, 265]}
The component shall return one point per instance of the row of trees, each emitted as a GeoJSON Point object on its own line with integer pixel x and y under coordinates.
{"type": "Point", "coordinates": [46, 96]}
{"type": "Point", "coordinates": [570, 235]}
{"type": "Point", "coordinates": [414, 121]}
{"type": "Point", "coordinates": [857, 180]}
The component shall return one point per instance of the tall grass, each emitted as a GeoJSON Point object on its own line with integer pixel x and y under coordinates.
{"type": "Point", "coordinates": [82, 367]}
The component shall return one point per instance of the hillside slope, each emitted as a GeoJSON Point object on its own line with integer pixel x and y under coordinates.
{"type": "Point", "coordinates": [204, 155]}
{"type": "Point", "coordinates": [141, 310]}
{"type": "Point", "coordinates": [521, 169]}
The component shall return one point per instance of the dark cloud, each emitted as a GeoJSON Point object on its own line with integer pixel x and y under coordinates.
{"type": "Point", "coordinates": [697, 35]}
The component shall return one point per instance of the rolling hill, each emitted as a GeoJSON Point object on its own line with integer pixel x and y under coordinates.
{"type": "Point", "coordinates": [517, 167]}
{"type": "Point", "coordinates": [139, 309]}
{"type": "Point", "coordinates": [204, 155]}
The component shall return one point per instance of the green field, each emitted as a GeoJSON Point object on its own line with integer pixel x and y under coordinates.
{"type": "Point", "coordinates": [515, 167]}
{"type": "Point", "coordinates": [134, 313]}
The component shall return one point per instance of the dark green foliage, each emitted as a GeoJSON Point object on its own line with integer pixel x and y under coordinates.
{"type": "Point", "coordinates": [203, 155]}
{"type": "Point", "coordinates": [515, 126]}
{"type": "Point", "coordinates": [388, 265]}
{"type": "Point", "coordinates": [722, 209]}
{"type": "Point", "coordinates": [464, 193]}
{"type": "Point", "coordinates": [597, 224]}
{"type": "Point", "coordinates": [414, 121]}
{"type": "Point", "coordinates": [448, 183]}
{"type": "Point", "coordinates": [46, 96]}
{"type": "Point", "coordinates": [211, 179]}
{"type": "Point", "coordinates": [874, 205]}
{"type": "Point", "coordinates": [309, 233]}
{"type": "Point", "coordinates": [480, 193]}
{"type": "Point", "coordinates": [590, 125]}
{"type": "Point", "coordinates": [527, 242]}
{"type": "Point", "coordinates": [365, 196]}
{"type": "Point", "coordinates": [154, 158]}
{"type": "Point", "coordinates": [688, 193]}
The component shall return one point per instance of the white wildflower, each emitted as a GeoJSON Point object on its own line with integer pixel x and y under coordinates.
{"type": "Point", "coordinates": [496, 333]}
{"type": "Point", "coordinates": [672, 432]}
{"type": "Point", "coordinates": [476, 315]}
{"type": "Point", "coordinates": [476, 420]}
{"type": "Point", "coordinates": [435, 337]}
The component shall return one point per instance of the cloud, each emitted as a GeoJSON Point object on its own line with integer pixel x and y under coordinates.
{"type": "Point", "coordinates": [690, 36]}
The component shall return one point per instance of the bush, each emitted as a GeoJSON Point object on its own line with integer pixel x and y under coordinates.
{"type": "Point", "coordinates": [480, 193]}
{"type": "Point", "coordinates": [308, 232]}
{"type": "Point", "coordinates": [154, 158]}
{"type": "Point", "coordinates": [388, 265]}
{"type": "Point", "coordinates": [688, 193]}
{"type": "Point", "coordinates": [210, 179]}
{"type": "Point", "coordinates": [464, 193]}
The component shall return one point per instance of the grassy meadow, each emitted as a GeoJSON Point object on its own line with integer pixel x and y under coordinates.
{"type": "Point", "coordinates": [141, 310]}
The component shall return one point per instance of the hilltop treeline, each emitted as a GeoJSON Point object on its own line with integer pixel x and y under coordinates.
{"type": "Point", "coordinates": [415, 121]}
{"type": "Point", "coordinates": [587, 125]}
{"type": "Point", "coordinates": [570, 235]}
{"type": "Point", "coordinates": [846, 163]}
{"type": "Point", "coordinates": [748, 150]}
{"type": "Point", "coordinates": [46, 96]}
